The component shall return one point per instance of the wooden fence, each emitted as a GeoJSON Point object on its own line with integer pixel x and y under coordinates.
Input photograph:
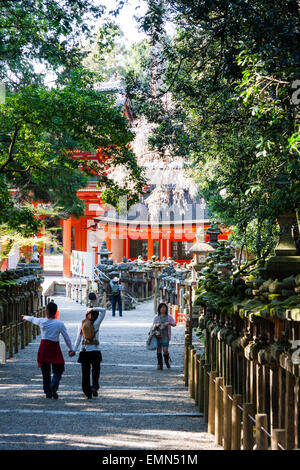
{"type": "Point", "coordinates": [245, 404]}
{"type": "Point", "coordinates": [18, 334]}
{"type": "Point", "coordinates": [244, 381]}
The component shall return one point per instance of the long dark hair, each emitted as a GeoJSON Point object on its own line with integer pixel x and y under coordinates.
{"type": "Point", "coordinates": [95, 315]}
{"type": "Point", "coordinates": [159, 308]}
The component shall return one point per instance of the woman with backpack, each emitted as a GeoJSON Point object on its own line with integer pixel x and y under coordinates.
{"type": "Point", "coordinates": [90, 355]}
{"type": "Point", "coordinates": [164, 322]}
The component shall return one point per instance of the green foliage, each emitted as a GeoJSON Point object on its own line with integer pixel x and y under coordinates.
{"type": "Point", "coordinates": [230, 69]}
{"type": "Point", "coordinates": [42, 127]}
{"type": "Point", "coordinates": [39, 31]}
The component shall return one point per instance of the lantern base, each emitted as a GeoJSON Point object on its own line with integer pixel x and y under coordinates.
{"type": "Point", "coordinates": [283, 266]}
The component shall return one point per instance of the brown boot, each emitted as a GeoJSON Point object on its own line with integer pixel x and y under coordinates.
{"type": "Point", "coordinates": [159, 361]}
{"type": "Point", "coordinates": [167, 359]}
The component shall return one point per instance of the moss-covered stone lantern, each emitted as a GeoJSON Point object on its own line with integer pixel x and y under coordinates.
{"type": "Point", "coordinates": [213, 231]}
{"type": "Point", "coordinates": [201, 250]}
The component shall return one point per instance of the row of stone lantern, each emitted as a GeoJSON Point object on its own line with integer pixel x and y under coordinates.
{"type": "Point", "coordinates": [143, 279]}
{"type": "Point", "coordinates": [20, 293]}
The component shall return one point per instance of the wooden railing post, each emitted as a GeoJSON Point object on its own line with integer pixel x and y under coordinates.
{"type": "Point", "coordinates": [248, 440]}
{"type": "Point", "coordinates": [278, 438]}
{"type": "Point", "coordinates": [26, 333]}
{"type": "Point", "coordinates": [10, 335]}
{"type": "Point", "coordinates": [186, 360]}
{"type": "Point", "coordinates": [16, 331]}
{"type": "Point", "coordinates": [219, 411]}
{"type": "Point", "coordinates": [227, 405]}
{"type": "Point", "coordinates": [205, 392]}
{"type": "Point", "coordinates": [274, 398]}
{"type": "Point", "coordinates": [196, 379]}
{"type": "Point", "coordinates": [289, 411]}
{"type": "Point", "coordinates": [30, 332]}
{"type": "Point", "coordinates": [261, 437]}
{"type": "Point", "coordinates": [236, 422]}
{"type": "Point", "coordinates": [211, 402]}
{"type": "Point", "coordinates": [191, 371]}
{"type": "Point", "coordinates": [260, 389]}
{"type": "Point", "coordinates": [22, 335]}
{"type": "Point", "coordinates": [34, 333]}
{"type": "Point", "coordinates": [201, 387]}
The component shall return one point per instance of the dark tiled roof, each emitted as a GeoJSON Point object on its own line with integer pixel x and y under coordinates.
{"type": "Point", "coordinates": [193, 212]}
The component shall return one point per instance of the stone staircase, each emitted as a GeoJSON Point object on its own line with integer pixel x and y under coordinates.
{"type": "Point", "coordinates": [53, 265]}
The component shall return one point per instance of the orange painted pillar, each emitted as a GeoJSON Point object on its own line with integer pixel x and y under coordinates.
{"type": "Point", "coordinates": [108, 242]}
{"type": "Point", "coordinates": [150, 244]}
{"type": "Point", "coordinates": [42, 248]}
{"type": "Point", "coordinates": [84, 234]}
{"type": "Point", "coordinates": [77, 235]}
{"type": "Point", "coordinates": [164, 247]}
{"type": "Point", "coordinates": [67, 248]}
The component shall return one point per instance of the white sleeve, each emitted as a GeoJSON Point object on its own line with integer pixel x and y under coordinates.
{"type": "Point", "coordinates": [34, 320]}
{"type": "Point", "coordinates": [78, 338]}
{"type": "Point", "coordinates": [66, 337]}
{"type": "Point", "coordinates": [102, 312]}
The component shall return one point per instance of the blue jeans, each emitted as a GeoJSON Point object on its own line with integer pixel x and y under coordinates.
{"type": "Point", "coordinates": [114, 300]}
{"type": "Point", "coordinates": [57, 373]}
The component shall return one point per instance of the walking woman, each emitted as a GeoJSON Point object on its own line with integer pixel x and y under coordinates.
{"type": "Point", "coordinates": [49, 353]}
{"type": "Point", "coordinates": [90, 354]}
{"type": "Point", "coordinates": [164, 322]}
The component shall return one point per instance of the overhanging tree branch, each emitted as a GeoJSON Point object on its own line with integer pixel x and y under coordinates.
{"type": "Point", "coordinates": [11, 148]}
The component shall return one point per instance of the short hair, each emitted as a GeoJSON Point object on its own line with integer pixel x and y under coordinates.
{"type": "Point", "coordinates": [159, 308]}
{"type": "Point", "coordinates": [52, 309]}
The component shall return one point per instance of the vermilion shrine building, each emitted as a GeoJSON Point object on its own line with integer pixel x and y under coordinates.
{"type": "Point", "coordinates": [132, 234]}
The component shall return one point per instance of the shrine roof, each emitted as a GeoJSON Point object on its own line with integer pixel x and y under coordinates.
{"type": "Point", "coordinates": [194, 211]}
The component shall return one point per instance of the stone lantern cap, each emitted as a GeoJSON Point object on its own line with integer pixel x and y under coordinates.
{"type": "Point", "coordinates": [200, 246]}
{"type": "Point", "coordinates": [214, 229]}
{"type": "Point", "coordinates": [104, 250]}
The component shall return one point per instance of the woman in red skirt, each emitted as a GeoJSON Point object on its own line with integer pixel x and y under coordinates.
{"type": "Point", "coordinates": [49, 353]}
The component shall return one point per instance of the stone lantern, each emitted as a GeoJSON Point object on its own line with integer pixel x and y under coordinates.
{"type": "Point", "coordinates": [286, 261]}
{"type": "Point", "coordinates": [201, 251]}
{"type": "Point", "coordinates": [213, 231]}
{"type": "Point", "coordinates": [104, 252]}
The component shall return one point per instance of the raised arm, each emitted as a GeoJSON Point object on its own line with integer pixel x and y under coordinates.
{"type": "Point", "coordinates": [102, 312]}
{"type": "Point", "coordinates": [31, 319]}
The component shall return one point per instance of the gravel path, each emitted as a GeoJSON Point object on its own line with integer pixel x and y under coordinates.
{"type": "Point", "coordinates": [138, 407]}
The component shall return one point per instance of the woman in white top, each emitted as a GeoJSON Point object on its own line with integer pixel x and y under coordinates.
{"type": "Point", "coordinates": [90, 354]}
{"type": "Point", "coordinates": [49, 353]}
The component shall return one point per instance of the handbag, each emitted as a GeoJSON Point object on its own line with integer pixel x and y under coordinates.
{"type": "Point", "coordinates": [151, 344]}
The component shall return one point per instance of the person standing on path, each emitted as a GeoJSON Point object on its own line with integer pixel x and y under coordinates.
{"type": "Point", "coordinates": [116, 296]}
{"type": "Point", "coordinates": [90, 354]}
{"type": "Point", "coordinates": [49, 352]}
{"type": "Point", "coordinates": [165, 322]}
